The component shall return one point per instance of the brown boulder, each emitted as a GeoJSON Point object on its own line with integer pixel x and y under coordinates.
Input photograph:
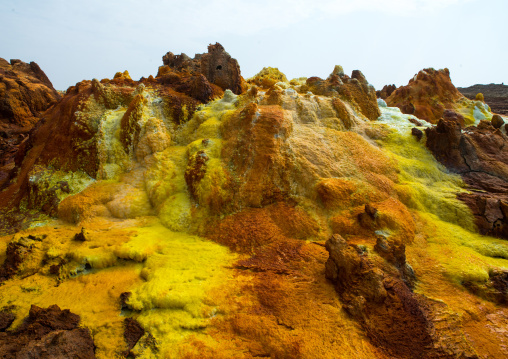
{"type": "Point", "coordinates": [133, 331]}
{"type": "Point", "coordinates": [497, 121]}
{"type": "Point", "coordinates": [48, 333]}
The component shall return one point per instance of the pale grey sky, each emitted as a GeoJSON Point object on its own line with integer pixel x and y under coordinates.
{"type": "Point", "coordinates": [389, 41]}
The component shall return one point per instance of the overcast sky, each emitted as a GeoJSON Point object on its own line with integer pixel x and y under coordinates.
{"type": "Point", "coordinates": [389, 41]}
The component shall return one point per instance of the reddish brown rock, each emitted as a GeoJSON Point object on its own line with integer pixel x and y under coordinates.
{"type": "Point", "coordinates": [132, 333]}
{"type": "Point", "coordinates": [48, 333]}
{"type": "Point", "coordinates": [386, 91]}
{"type": "Point", "coordinates": [6, 319]}
{"type": "Point", "coordinates": [217, 66]}
{"type": "Point", "coordinates": [419, 96]}
{"type": "Point", "coordinates": [394, 318]}
{"type": "Point", "coordinates": [17, 251]}
{"type": "Point", "coordinates": [25, 93]}
{"type": "Point", "coordinates": [417, 133]}
{"type": "Point", "coordinates": [494, 289]}
{"type": "Point", "coordinates": [479, 155]}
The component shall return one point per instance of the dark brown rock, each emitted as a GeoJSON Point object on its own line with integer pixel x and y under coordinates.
{"type": "Point", "coordinates": [444, 141]}
{"type": "Point", "coordinates": [417, 133]}
{"type": "Point", "coordinates": [495, 289]}
{"type": "Point", "coordinates": [217, 66]}
{"type": "Point", "coordinates": [497, 121]}
{"type": "Point", "coordinates": [377, 301]}
{"type": "Point", "coordinates": [17, 251]}
{"type": "Point", "coordinates": [6, 319]}
{"type": "Point", "coordinates": [454, 116]}
{"type": "Point", "coordinates": [133, 331]}
{"type": "Point", "coordinates": [124, 297]}
{"type": "Point", "coordinates": [479, 155]}
{"type": "Point", "coordinates": [81, 236]}
{"type": "Point", "coordinates": [48, 333]}
{"type": "Point", "coordinates": [398, 321]}
{"type": "Point", "coordinates": [25, 93]}
{"type": "Point", "coordinates": [386, 91]}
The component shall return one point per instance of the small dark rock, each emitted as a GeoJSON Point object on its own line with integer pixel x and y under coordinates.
{"type": "Point", "coordinates": [371, 211]}
{"type": "Point", "coordinates": [132, 333]}
{"type": "Point", "coordinates": [124, 297]}
{"type": "Point", "coordinates": [81, 236]}
{"type": "Point", "coordinates": [6, 319]}
{"type": "Point", "coordinates": [417, 133]}
{"type": "Point", "coordinates": [497, 121]}
{"type": "Point", "coordinates": [415, 122]}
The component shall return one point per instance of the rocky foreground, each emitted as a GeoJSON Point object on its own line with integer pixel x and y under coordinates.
{"type": "Point", "coordinates": [197, 214]}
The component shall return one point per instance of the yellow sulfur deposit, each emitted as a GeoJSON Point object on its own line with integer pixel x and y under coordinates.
{"type": "Point", "coordinates": [207, 222]}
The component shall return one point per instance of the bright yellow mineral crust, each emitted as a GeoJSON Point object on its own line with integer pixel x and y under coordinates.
{"type": "Point", "coordinates": [141, 223]}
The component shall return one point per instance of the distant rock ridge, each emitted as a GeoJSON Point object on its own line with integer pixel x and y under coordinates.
{"type": "Point", "coordinates": [495, 95]}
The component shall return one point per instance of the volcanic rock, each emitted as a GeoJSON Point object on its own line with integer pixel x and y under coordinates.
{"type": "Point", "coordinates": [6, 319]}
{"type": "Point", "coordinates": [395, 318]}
{"type": "Point", "coordinates": [386, 91]}
{"type": "Point", "coordinates": [25, 93]}
{"type": "Point", "coordinates": [497, 121]}
{"type": "Point", "coordinates": [217, 66]}
{"type": "Point", "coordinates": [376, 301]}
{"type": "Point", "coordinates": [416, 98]}
{"type": "Point", "coordinates": [132, 333]}
{"type": "Point", "coordinates": [478, 154]}
{"type": "Point", "coordinates": [417, 133]}
{"type": "Point", "coordinates": [18, 250]}
{"type": "Point", "coordinates": [48, 333]}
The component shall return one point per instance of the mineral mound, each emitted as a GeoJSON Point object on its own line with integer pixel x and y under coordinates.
{"type": "Point", "coordinates": [197, 214]}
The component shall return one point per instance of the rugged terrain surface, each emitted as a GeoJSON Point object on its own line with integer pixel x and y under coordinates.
{"type": "Point", "coordinates": [496, 96]}
{"type": "Point", "coordinates": [208, 216]}
{"type": "Point", "coordinates": [25, 93]}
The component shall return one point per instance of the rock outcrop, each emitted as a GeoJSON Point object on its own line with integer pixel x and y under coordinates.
{"type": "Point", "coordinates": [25, 93]}
{"type": "Point", "coordinates": [398, 320]}
{"type": "Point", "coordinates": [48, 333]}
{"type": "Point", "coordinates": [386, 91]}
{"type": "Point", "coordinates": [479, 155]}
{"type": "Point", "coordinates": [429, 94]}
{"type": "Point", "coordinates": [217, 67]}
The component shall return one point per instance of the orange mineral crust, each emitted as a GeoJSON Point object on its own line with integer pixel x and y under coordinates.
{"type": "Point", "coordinates": [196, 214]}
